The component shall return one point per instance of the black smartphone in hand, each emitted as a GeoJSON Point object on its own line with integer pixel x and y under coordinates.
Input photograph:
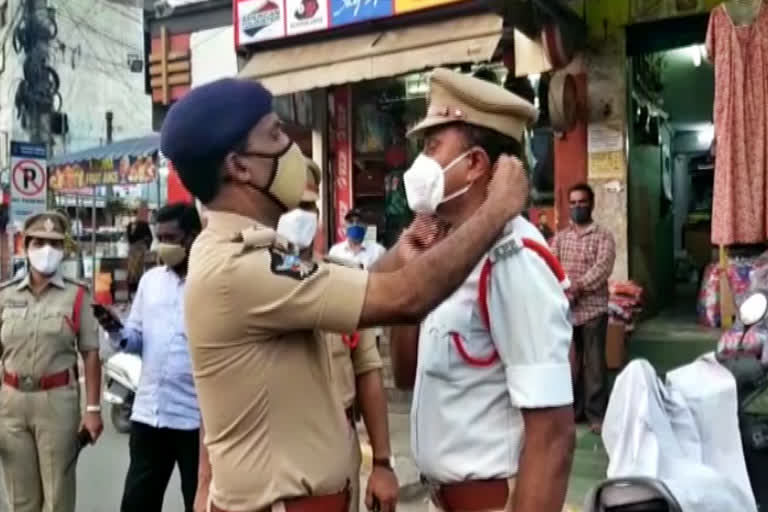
{"type": "Point", "coordinates": [107, 318]}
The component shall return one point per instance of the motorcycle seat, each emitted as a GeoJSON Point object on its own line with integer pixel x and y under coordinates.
{"type": "Point", "coordinates": [632, 495]}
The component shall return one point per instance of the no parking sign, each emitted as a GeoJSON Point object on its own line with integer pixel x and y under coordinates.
{"type": "Point", "coordinates": [29, 181]}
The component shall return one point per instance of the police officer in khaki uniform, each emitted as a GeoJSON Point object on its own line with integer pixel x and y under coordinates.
{"type": "Point", "coordinates": [46, 320]}
{"type": "Point", "coordinates": [356, 363]}
{"type": "Point", "coordinates": [275, 429]}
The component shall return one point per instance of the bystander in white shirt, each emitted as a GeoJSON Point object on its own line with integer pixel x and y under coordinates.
{"type": "Point", "coordinates": [365, 254]}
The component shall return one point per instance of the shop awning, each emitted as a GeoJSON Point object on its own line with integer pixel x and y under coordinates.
{"type": "Point", "coordinates": [376, 55]}
{"type": "Point", "coordinates": [133, 148]}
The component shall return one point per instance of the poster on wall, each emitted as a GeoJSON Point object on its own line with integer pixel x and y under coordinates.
{"type": "Point", "coordinates": [650, 9]}
{"type": "Point", "coordinates": [306, 16]}
{"type": "Point", "coordinates": [344, 12]}
{"type": "Point", "coordinates": [605, 144]}
{"type": "Point", "coordinates": [342, 180]}
{"type": "Point", "coordinates": [687, 6]}
{"type": "Point", "coordinates": [259, 20]}
{"type": "Point", "coordinates": [402, 6]}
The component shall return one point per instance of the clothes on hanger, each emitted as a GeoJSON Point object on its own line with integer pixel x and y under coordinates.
{"type": "Point", "coordinates": [740, 57]}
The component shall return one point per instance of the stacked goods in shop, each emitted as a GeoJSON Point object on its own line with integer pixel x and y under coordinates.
{"type": "Point", "coordinates": [743, 274]}
{"type": "Point", "coordinates": [746, 278]}
{"type": "Point", "coordinates": [625, 303]}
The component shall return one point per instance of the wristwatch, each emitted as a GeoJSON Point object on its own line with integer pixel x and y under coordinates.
{"type": "Point", "coordinates": [93, 408]}
{"type": "Point", "coordinates": [387, 463]}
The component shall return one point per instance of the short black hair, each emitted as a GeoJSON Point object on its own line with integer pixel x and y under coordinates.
{"type": "Point", "coordinates": [493, 143]}
{"type": "Point", "coordinates": [201, 176]}
{"type": "Point", "coordinates": [583, 187]}
{"type": "Point", "coordinates": [487, 74]}
{"type": "Point", "coordinates": [185, 214]}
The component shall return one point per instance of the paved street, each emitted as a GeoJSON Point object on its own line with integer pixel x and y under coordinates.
{"type": "Point", "coordinates": [102, 468]}
{"type": "Point", "coordinates": [101, 474]}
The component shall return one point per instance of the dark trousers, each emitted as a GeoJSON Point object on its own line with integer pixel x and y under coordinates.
{"type": "Point", "coordinates": [154, 453]}
{"type": "Point", "coordinates": [590, 380]}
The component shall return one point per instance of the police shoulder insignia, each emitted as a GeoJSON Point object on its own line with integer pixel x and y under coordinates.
{"type": "Point", "coordinates": [77, 282]}
{"type": "Point", "coordinates": [254, 238]}
{"type": "Point", "coordinates": [506, 249]}
{"type": "Point", "coordinates": [290, 265]}
{"type": "Point", "coordinates": [342, 262]}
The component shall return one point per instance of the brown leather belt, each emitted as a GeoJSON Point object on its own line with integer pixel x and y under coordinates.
{"type": "Point", "coordinates": [329, 503]}
{"type": "Point", "coordinates": [27, 383]}
{"type": "Point", "coordinates": [471, 495]}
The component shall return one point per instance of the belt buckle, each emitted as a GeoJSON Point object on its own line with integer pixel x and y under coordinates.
{"type": "Point", "coordinates": [28, 383]}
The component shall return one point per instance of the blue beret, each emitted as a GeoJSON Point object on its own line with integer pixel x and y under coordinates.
{"type": "Point", "coordinates": [210, 120]}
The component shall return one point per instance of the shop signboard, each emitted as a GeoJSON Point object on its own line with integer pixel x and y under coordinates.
{"type": "Point", "coordinates": [342, 181]}
{"type": "Point", "coordinates": [306, 16]}
{"type": "Point", "coordinates": [263, 20]}
{"type": "Point", "coordinates": [29, 191]}
{"type": "Point", "coordinates": [259, 20]}
{"type": "Point", "coordinates": [93, 173]}
{"type": "Point", "coordinates": [403, 6]}
{"type": "Point", "coordinates": [345, 12]}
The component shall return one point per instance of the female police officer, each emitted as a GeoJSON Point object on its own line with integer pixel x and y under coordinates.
{"type": "Point", "coordinates": [46, 319]}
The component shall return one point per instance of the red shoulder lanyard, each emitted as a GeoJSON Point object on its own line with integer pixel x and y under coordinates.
{"type": "Point", "coordinates": [351, 340]}
{"type": "Point", "coordinates": [483, 289]}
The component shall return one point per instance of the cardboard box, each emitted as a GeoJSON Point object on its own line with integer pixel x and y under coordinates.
{"type": "Point", "coordinates": [615, 345]}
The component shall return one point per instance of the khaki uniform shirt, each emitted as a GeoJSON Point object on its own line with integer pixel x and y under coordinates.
{"type": "Point", "coordinates": [37, 336]}
{"type": "Point", "coordinates": [350, 364]}
{"type": "Point", "coordinates": [275, 428]}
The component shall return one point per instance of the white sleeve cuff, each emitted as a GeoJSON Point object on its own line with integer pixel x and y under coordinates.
{"type": "Point", "coordinates": [540, 385]}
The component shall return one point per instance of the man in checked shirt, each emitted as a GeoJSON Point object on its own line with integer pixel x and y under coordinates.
{"type": "Point", "coordinates": [587, 253]}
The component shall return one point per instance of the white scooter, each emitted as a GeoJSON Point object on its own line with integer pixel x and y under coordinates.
{"type": "Point", "coordinates": [640, 494]}
{"type": "Point", "coordinates": [122, 372]}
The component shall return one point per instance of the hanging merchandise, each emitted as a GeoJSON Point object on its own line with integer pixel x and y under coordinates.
{"type": "Point", "coordinates": [736, 45]}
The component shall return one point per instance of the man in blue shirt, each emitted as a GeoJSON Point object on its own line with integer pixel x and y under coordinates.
{"type": "Point", "coordinates": [166, 418]}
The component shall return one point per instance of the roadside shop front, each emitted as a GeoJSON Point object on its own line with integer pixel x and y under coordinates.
{"type": "Point", "coordinates": [361, 79]}
{"type": "Point", "coordinates": [94, 187]}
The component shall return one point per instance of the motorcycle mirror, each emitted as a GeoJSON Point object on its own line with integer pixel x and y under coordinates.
{"type": "Point", "coordinates": [753, 309]}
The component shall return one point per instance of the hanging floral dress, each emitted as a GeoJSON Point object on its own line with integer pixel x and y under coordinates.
{"type": "Point", "coordinates": [740, 56]}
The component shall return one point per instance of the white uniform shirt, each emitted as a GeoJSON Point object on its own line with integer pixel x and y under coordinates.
{"type": "Point", "coordinates": [370, 251]}
{"type": "Point", "coordinates": [466, 422]}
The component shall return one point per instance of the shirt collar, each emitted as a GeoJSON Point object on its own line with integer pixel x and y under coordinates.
{"type": "Point", "coordinates": [229, 224]}
{"type": "Point", "coordinates": [584, 232]}
{"type": "Point", "coordinates": [363, 245]}
{"type": "Point", "coordinates": [57, 280]}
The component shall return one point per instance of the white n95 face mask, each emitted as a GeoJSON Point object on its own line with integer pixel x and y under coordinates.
{"type": "Point", "coordinates": [425, 183]}
{"type": "Point", "coordinates": [298, 227]}
{"type": "Point", "coordinates": [45, 259]}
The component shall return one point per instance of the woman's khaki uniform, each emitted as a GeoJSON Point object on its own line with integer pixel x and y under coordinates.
{"type": "Point", "coordinates": [348, 364]}
{"type": "Point", "coordinates": [40, 337]}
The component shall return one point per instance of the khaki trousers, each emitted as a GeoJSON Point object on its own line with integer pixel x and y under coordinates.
{"type": "Point", "coordinates": [508, 508]}
{"type": "Point", "coordinates": [354, 477]}
{"type": "Point", "coordinates": [38, 444]}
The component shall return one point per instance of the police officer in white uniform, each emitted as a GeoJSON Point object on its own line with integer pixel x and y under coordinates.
{"type": "Point", "coordinates": [491, 423]}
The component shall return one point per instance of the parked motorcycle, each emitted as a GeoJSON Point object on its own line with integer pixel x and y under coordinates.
{"type": "Point", "coordinates": [631, 495]}
{"type": "Point", "coordinates": [639, 494]}
{"type": "Point", "coordinates": [122, 372]}
{"type": "Point", "coordinates": [752, 387]}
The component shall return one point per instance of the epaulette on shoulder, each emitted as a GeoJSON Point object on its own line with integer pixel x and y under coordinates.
{"type": "Point", "coordinates": [343, 262]}
{"type": "Point", "coordinates": [77, 282]}
{"type": "Point", "coordinates": [254, 238]}
{"type": "Point", "coordinates": [15, 280]}
{"type": "Point", "coordinates": [508, 246]}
